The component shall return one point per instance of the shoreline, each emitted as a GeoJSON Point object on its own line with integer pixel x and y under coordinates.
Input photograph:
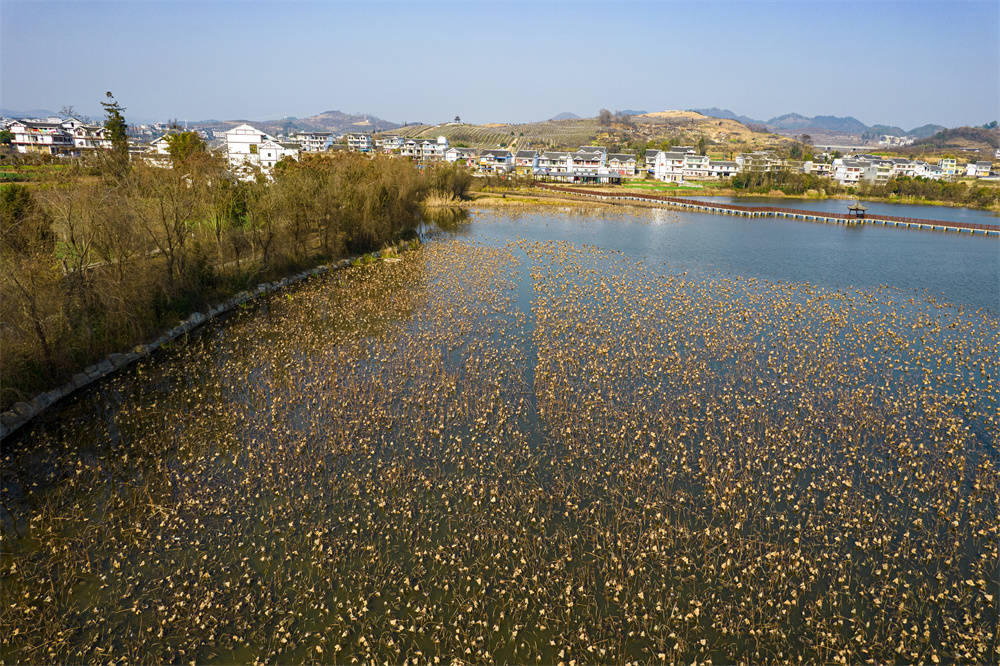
{"type": "Point", "coordinates": [24, 412]}
{"type": "Point", "coordinates": [750, 198]}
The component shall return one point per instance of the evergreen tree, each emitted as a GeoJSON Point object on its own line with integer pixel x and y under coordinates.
{"type": "Point", "coordinates": [116, 131]}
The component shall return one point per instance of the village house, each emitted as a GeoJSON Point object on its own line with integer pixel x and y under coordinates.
{"type": "Point", "coordinates": [877, 172]}
{"type": "Point", "coordinates": [824, 169]}
{"type": "Point", "coordinates": [157, 152]}
{"type": "Point", "coordinates": [554, 162]}
{"type": "Point", "coordinates": [248, 148]}
{"type": "Point", "coordinates": [848, 171]}
{"type": "Point", "coordinates": [525, 162]}
{"type": "Point", "coordinates": [496, 161]}
{"type": "Point", "coordinates": [722, 169]}
{"type": "Point", "coordinates": [313, 142]}
{"type": "Point", "coordinates": [695, 166]}
{"type": "Point", "coordinates": [466, 156]}
{"type": "Point", "coordinates": [159, 146]}
{"type": "Point", "coordinates": [411, 148]}
{"type": "Point", "coordinates": [650, 159]}
{"type": "Point", "coordinates": [902, 167]}
{"type": "Point", "coordinates": [624, 164]}
{"type": "Point", "coordinates": [949, 166]}
{"type": "Point", "coordinates": [924, 170]}
{"type": "Point", "coordinates": [42, 136]}
{"type": "Point", "coordinates": [669, 167]}
{"type": "Point", "coordinates": [86, 137]}
{"type": "Point", "coordinates": [433, 151]}
{"type": "Point", "coordinates": [358, 142]}
{"type": "Point", "coordinates": [389, 144]}
{"type": "Point", "coordinates": [978, 169]}
{"type": "Point", "coordinates": [759, 161]}
{"type": "Point", "coordinates": [587, 159]}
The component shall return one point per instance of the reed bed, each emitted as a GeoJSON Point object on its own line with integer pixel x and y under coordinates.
{"type": "Point", "coordinates": [526, 452]}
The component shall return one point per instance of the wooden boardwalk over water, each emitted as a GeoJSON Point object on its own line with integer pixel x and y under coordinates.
{"type": "Point", "coordinates": [973, 228]}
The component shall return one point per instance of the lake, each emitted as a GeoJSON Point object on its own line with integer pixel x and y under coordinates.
{"type": "Point", "coordinates": [958, 269]}
{"type": "Point", "coordinates": [593, 435]}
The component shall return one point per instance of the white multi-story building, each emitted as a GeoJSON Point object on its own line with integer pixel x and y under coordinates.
{"type": "Point", "coordinates": [53, 136]}
{"type": "Point", "coordinates": [313, 142]}
{"type": "Point", "coordinates": [949, 166]}
{"type": "Point", "coordinates": [901, 167]}
{"type": "Point", "coordinates": [817, 168]}
{"type": "Point", "coordinates": [878, 172]}
{"type": "Point", "coordinates": [359, 142]}
{"type": "Point", "coordinates": [623, 164]}
{"type": "Point", "coordinates": [847, 171]}
{"type": "Point", "coordinates": [650, 159]}
{"type": "Point", "coordinates": [389, 144]}
{"type": "Point", "coordinates": [978, 169]}
{"type": "Point", "coordinates": [411, 148]}
{"type": "Point", "coordinates": [696, 167]}
{"type": "Point", "coordinates": [248, 148]}
{"type": "Point", "coordinates": [761, 160]}
{"type": "Point", "coordinates": [555, 162]}
{"type": "Point", "coordinates": [924, 170]}
{"type": "Point", "coordinates": [722, 169]}
{"type": "Point", "coordinates": [496, 161]}
{"type": "Point", "coordinates": [86, 137]}
{"type": "Point", "coordinates": [433, 151]}
{"type": "Point", "coordinates": [588, 159]}
{"type": "Point", "coordinates": [669, 166]}
{"type": "Point", "coordinates": [466, 156]}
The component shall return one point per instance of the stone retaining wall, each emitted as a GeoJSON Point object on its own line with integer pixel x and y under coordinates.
{"type": "Point", "coordinates": [24, 412]}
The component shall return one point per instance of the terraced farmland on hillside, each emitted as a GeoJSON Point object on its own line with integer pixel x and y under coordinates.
{"type": "Point", "coordinates": [681, 126]}
{"type": "Point", "coordinates": [555, 134]}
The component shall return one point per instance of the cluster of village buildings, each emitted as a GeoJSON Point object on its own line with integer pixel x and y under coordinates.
{"type": "Point", "coordinates": [56, 136]}
{"type": "Point", "coordinates": [248, 148]}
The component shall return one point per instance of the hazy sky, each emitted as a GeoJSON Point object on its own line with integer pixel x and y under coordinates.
{"type": "Point", "coordinates": [904, 63]}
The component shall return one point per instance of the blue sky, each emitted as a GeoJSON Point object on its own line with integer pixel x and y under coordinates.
{"type": "Point", "coordinates": [904, 63]}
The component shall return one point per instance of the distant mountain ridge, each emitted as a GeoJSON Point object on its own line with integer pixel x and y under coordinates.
{"type": "Point", "coordinates": [716, 112]}
{"type": "Point", "coordinates": [925, 131]}
{"type": "Point", "coordinates": [796, 121]}
{"type": "Point", "coordinates": [326, 121]}
{"type": "Point", "coordinates": [30, 113]}
{"type": "Point", "coordinates": [565, 115]}
{"type": "Point", "coordinates": [790, 122]}
{"type": "Point", "coordinates": [963, 137]}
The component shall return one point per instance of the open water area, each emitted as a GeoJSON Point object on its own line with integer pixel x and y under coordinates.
{"type": "Point", "coordinates": [576, 436]}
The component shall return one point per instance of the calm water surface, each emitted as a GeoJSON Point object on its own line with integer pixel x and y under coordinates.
{"type": "Point", "coordinates": [962, 270]}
